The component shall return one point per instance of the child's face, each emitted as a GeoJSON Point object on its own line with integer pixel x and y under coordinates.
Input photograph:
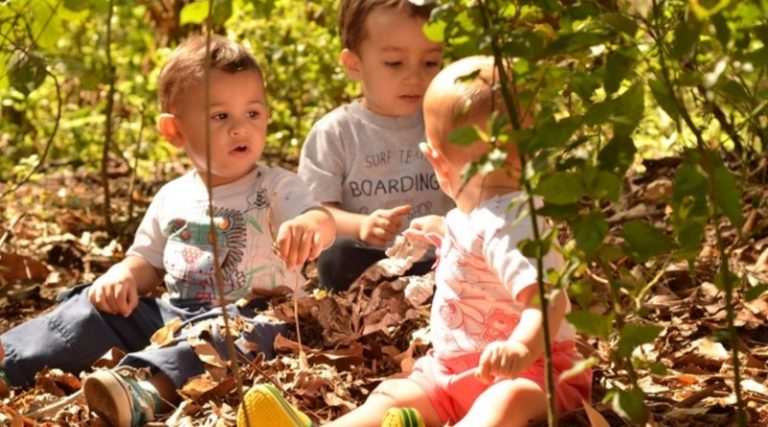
{"type": "Point", "coordinates": [395, 63]}
{"type": "Point", "coordinates": [238, 124]}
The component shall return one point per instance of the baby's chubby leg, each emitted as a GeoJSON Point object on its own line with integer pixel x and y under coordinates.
{"type": "Point", "coordinates": [390, 394]}
{"type": "Point", "coordinates": [507, 403]}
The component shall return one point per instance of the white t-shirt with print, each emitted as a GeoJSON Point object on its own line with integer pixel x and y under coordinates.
{"type": "Point", "coordinates": [365, 161]}
{"type": "Point", "coordinates": [174, 234]}
{"type": "Point", "coordinates": [480, 274]}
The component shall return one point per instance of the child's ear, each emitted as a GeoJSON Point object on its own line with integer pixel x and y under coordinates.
{"type": "Point", "coordinates": [170, 129]}
{"type": "Point", "coordinates": [351, 63]}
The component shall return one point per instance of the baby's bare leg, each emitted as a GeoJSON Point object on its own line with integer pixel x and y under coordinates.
{"type": "Point", "coordinates": [390, 394]}
{"type": "Point", "coordinates": [508, 403]}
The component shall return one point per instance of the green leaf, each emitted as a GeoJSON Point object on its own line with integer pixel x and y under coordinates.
{"type": "Point", "coordinates": [617, 68]}
{"type": "Point", "coordinates": [26, 71]}
{"type": "Point", "coordinates": [624, 112]}
{"type": "Point", "coordinates": [531, 248]}
{"type": "Point", "coordinates": [574, 42]}
{"type": "Point", "coordinates": [686, 36]}
{"type": "Point", "coordinates": [758, 57]}
{"type": "Point", "coordinates": [524, 44]}
{"type": "Point", "coordinates": [644, 241]}
{"type": "Point", "coordinates": [589, 231]}
{"type": "Point", "coordinates": [630, 107]}
{"type": "Point", "coordinates": [630, 404]}
{"type": "Point", "coordinates": [584, 85]}
{"type": "Point", "coordinates": [621, 22]}
{"type": "Point", "coordinates": [689, 205]}
{"type": "Point", "coordinates": [665, 99]}
{"type": "Point", "coordinates": [78, 5]}
{"type": "Point", "coordinates": [464, 136]}
{"type": "Point", "coordinates": [617, 155]}
{"type": "Point", "coordinates": [586, 322]}
{"type": "Point", "coordinates": [554, 134]}
{"type": "Point", "coordinates": [703, 12]}
{"type": "Point", "coordinates": [194, 13]}
{"type": "Point", "coordinates": [728, 195]}
{"type": "Point", "coordinates": [606, 186]}
{"type": "Point", "coordinates": [222, 10]}
{"type": "Point", "coordinates": [561, 188]}
{"type": "Point", "coordinates": [722, 32]}
{"type": "Point", "coordinates": [435, 30]}
{"type": "Point", "coordinates": [46, 24]}
{"type": "Point", "coordinates": [731, 282]}
{"type": "Point", "coordinates": [733, 91]}
{"type": "Point", "coordinates": [558, 212]}
{"type": "Point", "coordinates": [579, 367]}
{"type": "Point", "coordinates": [754, 292]}
{"type": "Point", "coordinates": [581, 292]}
{"type": "Point", "coordinates": [633, 335]}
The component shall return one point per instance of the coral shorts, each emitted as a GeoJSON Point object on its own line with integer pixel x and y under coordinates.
{"type": "Point", "coordinates": [452, 388]}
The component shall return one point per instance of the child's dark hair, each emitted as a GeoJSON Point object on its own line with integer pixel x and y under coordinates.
{"type": "Point", "coordinates": [187, 65]}
{"type": "Point", "coordinates": [353, 13]}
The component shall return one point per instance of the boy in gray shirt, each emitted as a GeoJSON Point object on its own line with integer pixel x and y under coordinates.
{"type": "Point", "coordinates": [362, 160]}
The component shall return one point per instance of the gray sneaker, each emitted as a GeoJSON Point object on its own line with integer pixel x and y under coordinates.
{"type": "Point", "coordinates": [121, 397]}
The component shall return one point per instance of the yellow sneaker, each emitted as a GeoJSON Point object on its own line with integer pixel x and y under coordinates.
{"type": "Point", "coordinates": [264, 406]}
{"type": "Point", "coordinates": [402, 417]}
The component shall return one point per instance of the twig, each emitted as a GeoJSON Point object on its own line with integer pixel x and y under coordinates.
{"type": "Point", "coordinates": [218, 279]}
{"type": "Point", "coordinates": [10, 227]}
{"type": "Point", "coordinates": [76, 397]}
{"type": "Point", "coordinates": [699, 396]}
{"type": "Point", "coordinates": [136, 154]}
{"type": "Point", "coordinates": [108, 121]}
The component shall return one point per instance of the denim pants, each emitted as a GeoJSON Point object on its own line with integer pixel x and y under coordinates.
{"type": "Point", "coordinates": [74, 334]}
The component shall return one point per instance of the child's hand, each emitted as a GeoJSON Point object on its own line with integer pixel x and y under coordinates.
{"type": "Point", "coordinates": [504, 359]}
{"type": "Point", "coordinates": [115, 292]}
{"type": "Point", "coordinates": [382, 225]}
{"type": "Point", "coordinates": [424, 225]}
{"type": "Point", "coordinates": [304, 237]}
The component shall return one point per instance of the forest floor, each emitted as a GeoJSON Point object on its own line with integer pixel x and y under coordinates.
{"type": "Point", "coordinates": [51, 238]}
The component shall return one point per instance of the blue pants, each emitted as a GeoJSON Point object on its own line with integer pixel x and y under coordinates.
{"type": "Point", "coordinates": [74, 334]}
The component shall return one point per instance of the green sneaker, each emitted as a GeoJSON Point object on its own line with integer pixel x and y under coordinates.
{"type": "Point", "coordinates": [402, 417]}
{"type": "Point", "coordinates": [121, 397]}
{"type": "Point", "coordinates": [264, 406]}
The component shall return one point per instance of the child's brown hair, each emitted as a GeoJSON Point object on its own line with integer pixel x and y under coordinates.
{"type": "Point", "coordinates": [353, 14]}
{"type": "Point", "coordinates": [187, 65]}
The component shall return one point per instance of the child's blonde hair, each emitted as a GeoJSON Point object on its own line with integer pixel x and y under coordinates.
{"type": "Point", "coordinates": [187, 66]}
{"type": "Point", "coordinates": [353, 13]}
{"type": "Point", "coordinates": [464, 93]}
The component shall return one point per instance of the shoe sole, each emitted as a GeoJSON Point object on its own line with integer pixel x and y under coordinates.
{"type": "Point", "coordinates": [402, 417]}
{"type": "Point", "coordinates": [98, 392]}
{"type": "Point", "coordinates": [253, 402]}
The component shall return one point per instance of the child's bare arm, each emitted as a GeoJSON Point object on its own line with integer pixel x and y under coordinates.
{"type": "Point", "coordinates": [375, 229]}
{"type": "Point", "coordinates": [117, 291]}
{"type": "Point", "coordinates": [304, 237]}
{"type": "Point", "coordinates": [506, 359]}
